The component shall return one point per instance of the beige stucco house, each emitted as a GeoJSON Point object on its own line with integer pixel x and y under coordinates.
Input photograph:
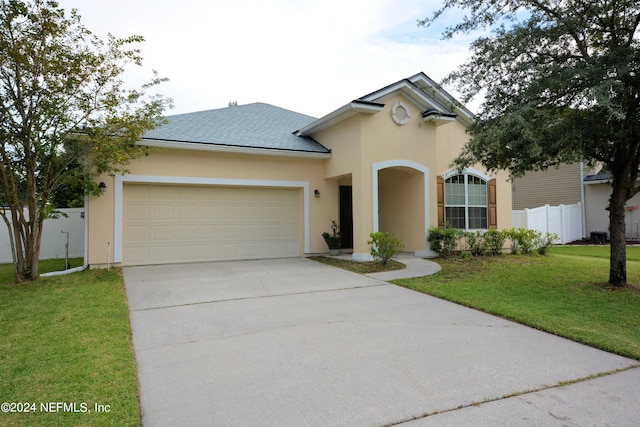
{"type": "Point", "coordinates": [258, 181]}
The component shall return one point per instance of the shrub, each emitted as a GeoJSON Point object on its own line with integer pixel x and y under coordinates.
{"type": "Point", "coordinates": [494, 240]}
{"type": "Point", "coordinates": [476, 242]}
{"type": "Point", "coordinates": [544, 242]}
{"type": "Point", "coordinates": [444, 241]}
{"type": "Point", "coordinates": [384, 247]}
{"type": "Point", "coordinates": [523, 240]}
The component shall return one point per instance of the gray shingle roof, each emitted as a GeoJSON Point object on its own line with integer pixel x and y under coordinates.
{"type": "Point", "coordinates": [255, 125]}
{"type": "Point", "coordinates": [600, 176]}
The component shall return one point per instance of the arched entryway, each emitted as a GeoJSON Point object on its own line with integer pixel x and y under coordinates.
{"type": "Point", "coordinates": [401, 202]}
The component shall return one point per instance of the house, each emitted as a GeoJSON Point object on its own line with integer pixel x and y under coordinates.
{"type": "Point", "coordinates": [597, 190]}
{"type": "Point", "coordinates": [575, 183]}
{"type": "Point", "coordinates": [258, 181]}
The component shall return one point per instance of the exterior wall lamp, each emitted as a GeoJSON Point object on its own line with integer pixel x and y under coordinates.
{"type": "Point", "coordinates": [316, 192]}
{"type": "Point", "coordinates": [102, 186]}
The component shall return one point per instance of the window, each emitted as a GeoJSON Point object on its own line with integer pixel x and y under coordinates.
{"type": "Point", "coordinates": [466, 202]}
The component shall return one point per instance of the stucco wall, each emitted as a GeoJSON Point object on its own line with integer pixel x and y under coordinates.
{"type": "Point", "coordinates": [451, 138]}
{"type": "Point", "coordinates": [365, 141]}
{"type": "Point", "coordinates": [198, 164]}
{"type": "Point", "coordinates": [400, 215]}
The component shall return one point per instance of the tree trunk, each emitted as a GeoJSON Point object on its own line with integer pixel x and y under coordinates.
{"type": "Point", "coordinates": [25, 233]}
{"type": "Point", "coordinates": [17, 218]}
{"type": "Point", "coordinates": [11, 242]}
{"type": "Point", "coordinates": [618, 256]}
{"type": "Point", "coordinates": [36, 237]}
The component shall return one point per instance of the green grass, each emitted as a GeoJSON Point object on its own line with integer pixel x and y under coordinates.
{"type": "Point", "coordinates": [45, 266]}
{"type": "Point", "coordinates": [600, 251]}
{"type": "Point", "coordinates": [67, 339]}
{"type": "Point", "coordinates": [564, 293]}
{"type": "Point", "coordinates": [359, 267]}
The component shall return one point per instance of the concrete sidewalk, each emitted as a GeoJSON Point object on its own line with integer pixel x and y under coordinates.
{"type": "Point", "coordinates": [415, 267]}
{"type": "Point", "coordinates": [295, 342]}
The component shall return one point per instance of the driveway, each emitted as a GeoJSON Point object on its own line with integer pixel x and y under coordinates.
{"type": "Point", "coordinates": [294, 342]}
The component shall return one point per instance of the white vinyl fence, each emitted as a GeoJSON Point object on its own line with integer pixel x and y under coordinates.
{"type": "Point", "coordinates": [563, 220]}
{"type": "Point", "coordinates": [53, 238]}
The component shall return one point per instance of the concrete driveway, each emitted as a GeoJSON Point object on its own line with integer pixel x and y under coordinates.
{"type": "Point", "coordinates": [294, 342]}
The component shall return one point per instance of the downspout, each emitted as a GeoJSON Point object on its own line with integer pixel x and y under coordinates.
{"type": "Point", "coordinates": [582, 205]}
{"type": "Point", "coordinates": [86, 246]}
{"type": "Point", "coordinates": [85, 262]}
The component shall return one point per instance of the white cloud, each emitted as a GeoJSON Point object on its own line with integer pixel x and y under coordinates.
{"type": "Point", "coordinates": [311, 56]}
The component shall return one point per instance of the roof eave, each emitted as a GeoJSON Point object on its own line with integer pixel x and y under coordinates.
{"type": "Point", "coordinates": [437, 99]}
{"type": "Point", "coordinates": [196, 146]}
{"type": "Point", "coordinates": [411, 91]}
{"type": "Point", "coordinates": [444, 97]}
{"type": "Point", "coordinates": [339, 115]}
{"type": "Point", "coordinates": [438, 118]}
{"type": "Point", "coordinates": [597, 181]}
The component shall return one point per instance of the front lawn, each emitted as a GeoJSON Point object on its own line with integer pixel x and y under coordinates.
{"type": "Point", "coordinates": [65, 346]}
{"type": "Point", "coordinates": [563, 293]}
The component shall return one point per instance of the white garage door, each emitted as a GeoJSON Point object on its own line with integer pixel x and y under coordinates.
{"type": "Point", "coordinates": [173, 223]}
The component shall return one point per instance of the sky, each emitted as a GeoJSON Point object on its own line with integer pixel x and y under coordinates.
{"type": "Point", "coordinates": [309, 56]}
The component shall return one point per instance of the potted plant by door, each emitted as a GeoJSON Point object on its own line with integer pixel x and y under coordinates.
{"type": "Point", "coordinates": [333, 239]}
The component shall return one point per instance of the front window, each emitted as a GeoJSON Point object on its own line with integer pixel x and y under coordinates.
{"type": "Point", "coordinates": [466, 202]}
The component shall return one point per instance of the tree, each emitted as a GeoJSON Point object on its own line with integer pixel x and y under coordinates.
{"type": "Point", "coordinates": [561, 80]}
{"type": "Point", "coordinates": [65, 115]}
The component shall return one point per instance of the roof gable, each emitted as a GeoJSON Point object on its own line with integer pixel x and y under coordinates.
{"type": "Point", "coordinates": [435, 103]}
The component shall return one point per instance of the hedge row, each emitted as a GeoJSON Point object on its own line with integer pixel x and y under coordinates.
{"type": "Point", "coordinates": [447, 241]}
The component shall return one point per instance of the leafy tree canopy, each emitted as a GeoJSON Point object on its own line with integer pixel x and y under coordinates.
{"type": "Point", "coordinates": [65, 114]}
{"type": "Point", "coordinates": [561, 83]}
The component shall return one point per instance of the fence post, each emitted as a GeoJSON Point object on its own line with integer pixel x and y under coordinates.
{"type": "Point", "coordinates": [546, 211]}
{"type": "Point", "coordinates": [562, 230]}
{"type": "Point", "coordinates": [583, 220]}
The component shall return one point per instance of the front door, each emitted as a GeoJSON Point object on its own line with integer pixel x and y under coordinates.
{"type": "Point", "coordinates": [346, 216]}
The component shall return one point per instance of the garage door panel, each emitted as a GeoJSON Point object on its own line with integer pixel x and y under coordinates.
{"type": "Point", "coordinates": [137, 212]}
{"type": "Point", "coordinates": [163, 212]}
{"type": "Point", "coordinates": [162, 192]}
{"type": "Point", "coordinates": [187, 233]}
{"type": "Point", "coordinates": [186, 212]}
{"type": "Point", "coordinates": [162, 254]}
{"type": "Point", "coordinates": [186, 194]}
{"type": "Point", "coordinates": [171, 223]}
{"type": "Point", "coordinates": [209, 232]}
{"type": "Point", "coordinates": [139, 253]}
{"type": "Point", "coordinates": [138, 193]}
{"type": "Point", "coordinates": [163, 233]}
{"type": "Point", "coordinates": [138, 233]}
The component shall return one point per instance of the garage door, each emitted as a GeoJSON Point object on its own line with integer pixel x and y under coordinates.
{"type": "Point", "coordinates": [173, 223]}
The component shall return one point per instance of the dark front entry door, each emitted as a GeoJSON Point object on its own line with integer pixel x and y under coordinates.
{"type": "Point", "coordinates": [346, 216]}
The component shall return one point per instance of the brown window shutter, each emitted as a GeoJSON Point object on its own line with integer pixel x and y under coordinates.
{"type": "Point", "coordinates": [493, 204]}
{"type": "Point", "coordinates": [440, 182]}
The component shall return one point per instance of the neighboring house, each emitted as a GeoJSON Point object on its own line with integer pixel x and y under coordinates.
{"type": "Point", "coordinates": [597, 190]}
{"type": "Point", "coordinates": [258, 181]}
{"type": "Point", "coordinates": [555, 186]}
{"type": "Point", "coordinates": [575, 183]}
